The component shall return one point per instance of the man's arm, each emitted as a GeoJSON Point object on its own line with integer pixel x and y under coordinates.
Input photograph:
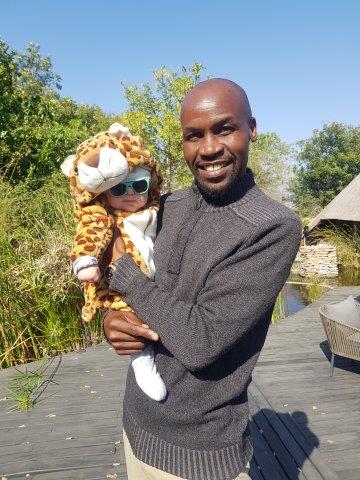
{"type": "Point", "coordinates": [236, 295]}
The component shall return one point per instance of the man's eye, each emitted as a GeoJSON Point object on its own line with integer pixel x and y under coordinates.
{"type": "Point", "coordinates": [226, 129]}
{"type": "Point", "coordinates": [192, 137]}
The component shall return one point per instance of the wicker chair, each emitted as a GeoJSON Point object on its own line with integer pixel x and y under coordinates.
{"type": "Point", "coordinates": [343, 332]}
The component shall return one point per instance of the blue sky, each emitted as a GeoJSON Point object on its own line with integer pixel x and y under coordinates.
{"type": "Point", "coordinates": [298, 61]}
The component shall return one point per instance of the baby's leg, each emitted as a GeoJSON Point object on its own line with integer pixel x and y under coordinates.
{"type": "Point", "coordinates": [147, 377]}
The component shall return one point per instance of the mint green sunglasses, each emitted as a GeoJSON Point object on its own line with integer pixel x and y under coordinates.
{"type": "Point", "coordinates": [139, 186]}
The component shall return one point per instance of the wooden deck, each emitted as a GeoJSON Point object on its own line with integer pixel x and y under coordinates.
{"type": "Point", "coordinates": [304, 424]}
{"type": "Point", "coordinates": [293, 374]}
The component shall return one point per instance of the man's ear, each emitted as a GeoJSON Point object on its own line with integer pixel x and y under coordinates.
{"type": "Point", "coordinates": [253, 132]}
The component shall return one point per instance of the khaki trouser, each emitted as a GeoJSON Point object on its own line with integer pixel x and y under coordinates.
{"type": "Point", "coordinates": [138, 470]}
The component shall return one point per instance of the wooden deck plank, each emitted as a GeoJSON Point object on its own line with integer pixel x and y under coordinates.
{"type": "Point", "coordinates": [264, 457]}
{"type": "Point", "coordinates": [282, 454]}
{"type": "Point", "coordinates": [72, 433]}
{"type": "Point", "coordinates": [255, 472]}
{"type": "Point", "coordinates": [75, 434]}
{"type": "Point", "coordinates": [82, 474]}
{"type": "Point", "coordinates": [304, 461]}
{"type": "Point", "coordinates": [293, 375]}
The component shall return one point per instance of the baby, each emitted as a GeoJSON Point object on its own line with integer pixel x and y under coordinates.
{"type": "Point", "coordinates": [129, 206]}
{"type": "Point", "coordinates": [131, 195]}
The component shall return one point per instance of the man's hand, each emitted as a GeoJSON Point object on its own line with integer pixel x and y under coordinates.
{"type": "Point", "coordinates": [127, 333]}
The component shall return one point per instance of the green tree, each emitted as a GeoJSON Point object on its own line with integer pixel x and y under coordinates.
{"type": "Point", "coordinates": [9, 103]}
{"type": "Point", "coordinates": [327, 162]}
{"type": "Point", "coordinates": [35, 73]}
{"type": "Point", "coordinates": [153, 114]}
{"type": "Point", "coordinates": [268, 160]}
{"type": "Point", "coordinates": [38, 129]}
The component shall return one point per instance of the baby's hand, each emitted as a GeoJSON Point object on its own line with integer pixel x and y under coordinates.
{"type": "Point", "coordinates": [89, 274]}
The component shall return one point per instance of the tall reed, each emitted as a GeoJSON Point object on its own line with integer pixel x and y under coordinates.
{"type": "Point", "coordinates": [40, 301]}
{"type": "Point", "coordinates": [279, 312]}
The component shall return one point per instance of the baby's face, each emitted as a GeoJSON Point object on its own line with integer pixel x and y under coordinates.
{"type": "Point", "coordinates": [130, 202]}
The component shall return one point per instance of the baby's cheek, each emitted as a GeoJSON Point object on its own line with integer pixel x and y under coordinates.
{"type": "Point", "coordinates": [143, 200]}
{"type": "Point", "coordinates": [140, 202]}
{"type": "Point", "coordinates": [109, 199]}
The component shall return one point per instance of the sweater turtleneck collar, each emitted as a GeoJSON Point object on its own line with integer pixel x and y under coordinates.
{"type": "Point", "coordinates": [237, 191]}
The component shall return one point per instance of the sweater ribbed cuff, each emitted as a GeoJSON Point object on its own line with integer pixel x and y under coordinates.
{"type": "Point", "coordinates": [126, 273]}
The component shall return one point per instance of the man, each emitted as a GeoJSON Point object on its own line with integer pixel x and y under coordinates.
{"type": "Point", "coordinates": [222, 254]}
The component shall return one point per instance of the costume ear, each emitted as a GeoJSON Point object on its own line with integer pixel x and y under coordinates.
{"type": "Point", "coordinates": [117, 130]}
{"type": "Point", "coordinates": [67, 166]}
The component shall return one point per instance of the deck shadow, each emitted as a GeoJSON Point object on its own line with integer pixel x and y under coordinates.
{"type": "Point", "coordinates": [285, 448]}
{"type": "Point", "coordinates": [281, 450]}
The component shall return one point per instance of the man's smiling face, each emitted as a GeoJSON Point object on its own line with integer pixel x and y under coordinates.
{"type": "Point", "coordinates": [217, 127]}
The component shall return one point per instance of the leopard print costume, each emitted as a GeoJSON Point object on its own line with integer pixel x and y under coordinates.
{"type": "Point", "coordinates": [96, 220]}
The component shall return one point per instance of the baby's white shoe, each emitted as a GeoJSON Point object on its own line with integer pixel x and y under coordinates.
{"type": "Point", "coordinates": [146, 374]}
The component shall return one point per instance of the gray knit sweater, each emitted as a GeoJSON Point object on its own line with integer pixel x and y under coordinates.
{"type": "Point", "coordinates": [219, 270]}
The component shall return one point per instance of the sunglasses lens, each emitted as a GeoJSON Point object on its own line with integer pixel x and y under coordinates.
{"type": "Point", "coordinates": [119, 190]}
{"type": "Point", "coordinates": [140, 186]}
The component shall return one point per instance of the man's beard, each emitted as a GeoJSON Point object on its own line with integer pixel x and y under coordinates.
{"type": "Point", "coordinates": [219, 196]}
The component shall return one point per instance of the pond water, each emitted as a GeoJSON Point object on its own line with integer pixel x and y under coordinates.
{"type": "Point", "coordinates": [299, 292]}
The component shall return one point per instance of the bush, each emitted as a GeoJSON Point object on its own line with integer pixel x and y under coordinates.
{"type": "Point", "coordinates": [347, 243]}
{"type": "Point", "coordinates": [40, 301]}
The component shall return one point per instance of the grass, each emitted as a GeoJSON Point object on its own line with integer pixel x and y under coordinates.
{"type": "Point", "coordinates": [40, 301]}
{"type": "Point", "coordinates": [311, 289]}
{"type": "Point", "coordinates": [346, 241]}
{"type": "Point", "coordinates": [279, 309]}
{"type": "Point", "coordinates": [25, 388]}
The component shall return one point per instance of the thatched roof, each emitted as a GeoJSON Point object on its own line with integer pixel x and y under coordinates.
{"type": "Point", "coordinates": [345, 206]}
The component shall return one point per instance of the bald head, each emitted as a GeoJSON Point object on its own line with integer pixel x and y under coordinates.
{"type": "Point", "coordinates": [214, 91]}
